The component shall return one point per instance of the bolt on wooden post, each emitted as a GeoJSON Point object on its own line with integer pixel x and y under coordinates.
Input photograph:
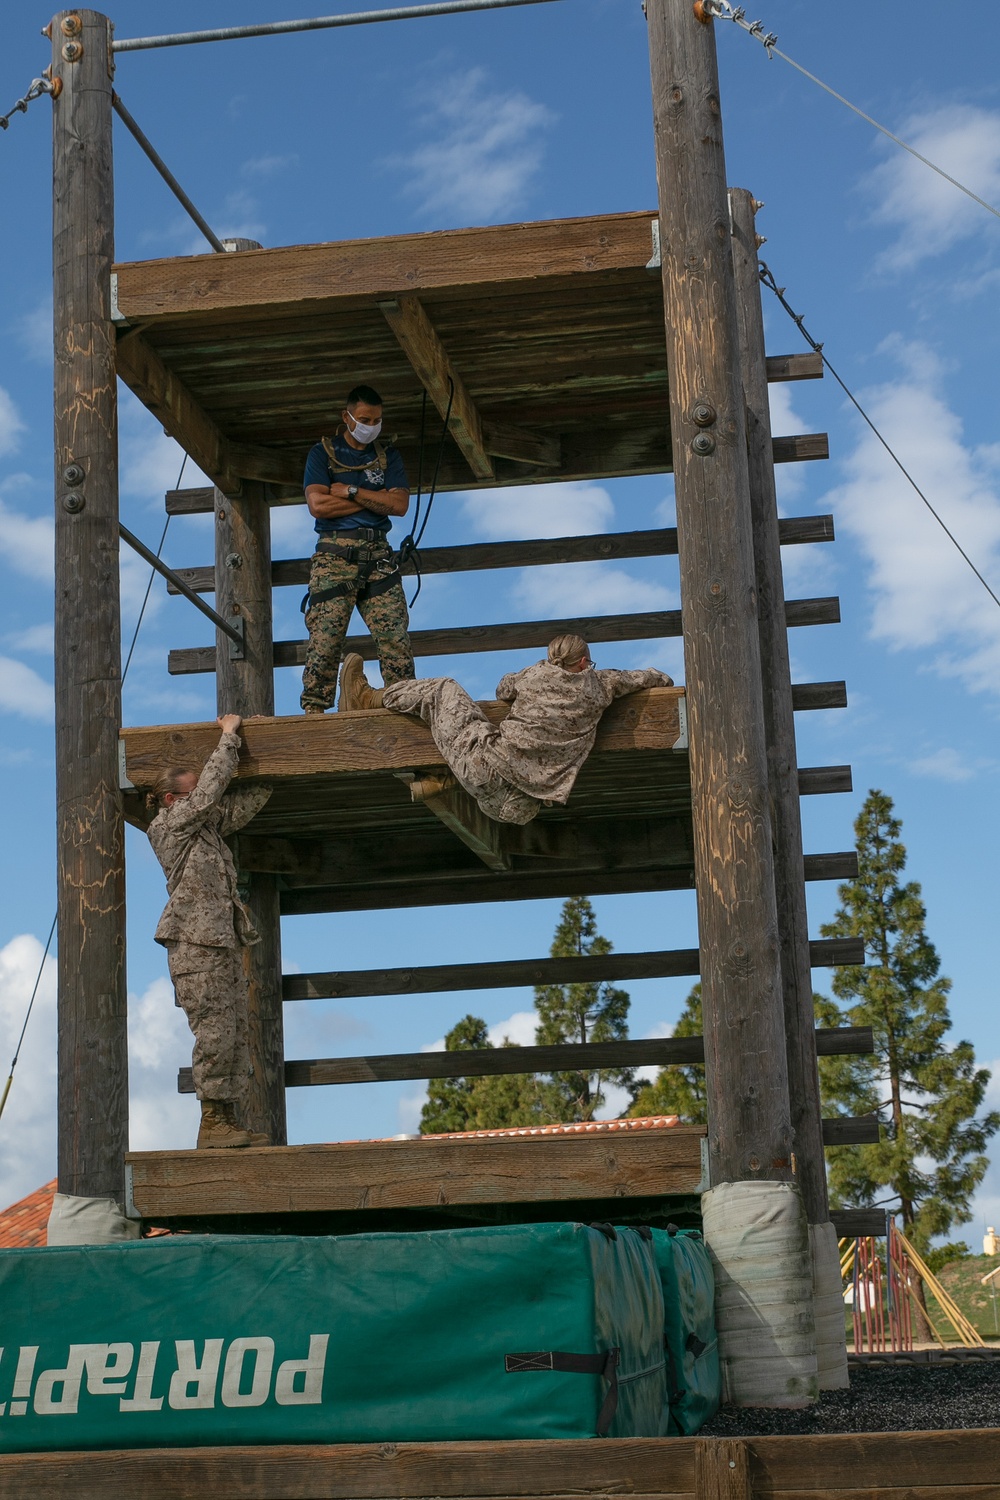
{"type": "Point", "coordinates": [243, 591]}
{"type": "Point", "coordinates": [745, 1066]}
{"type": "Point", "coordinates": [93, 1058]}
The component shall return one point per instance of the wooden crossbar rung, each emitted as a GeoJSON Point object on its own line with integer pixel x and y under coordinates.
{"type": "Point", "coordinates": [661, 624]}
{"type": "Point", "coordinates": [479, 556]}
{"type": "Point", "coordinates": [819, 780]}
{"type": "Point", "coordinates": [490, 1062]}
{"type": "Point", "coordinates": [513, 973]}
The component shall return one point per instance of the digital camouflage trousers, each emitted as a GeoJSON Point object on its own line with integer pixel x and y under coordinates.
{"type": "Point", "coordinates": [211, 989]}
{"type": "Point", "coordinates": [361, 576]}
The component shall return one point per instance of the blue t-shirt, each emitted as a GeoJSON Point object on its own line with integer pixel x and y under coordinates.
{"type": "Point", "coordinates": [366, 473]}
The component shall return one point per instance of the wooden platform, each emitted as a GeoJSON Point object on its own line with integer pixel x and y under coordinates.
{"type": "Point", "coordinates": [552, 333]}
{"type": "Point", "coordinates": [865, 1466]}
{"type": "Point", "coordinates": [342, 832]}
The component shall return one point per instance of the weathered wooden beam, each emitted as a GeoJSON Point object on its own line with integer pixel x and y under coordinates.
{"type": "Point", "coordinates": [843, 1130]}
{"type": "Point", "coordinates": [246, 686]}
{"type": "Point", "coordinates": [409, 1174]}
{"type": "Point", "coordinates": [495, 1062]}
{"type": "Point", "coordinates": [794, 366]}
{"type": "Point", "coordinates": [165, 395]}
{"type": "Point", "coordinates": [503, 441]}
{"type": "Point", "coordinates": [462, 816]}
{"type": "Point", "coordinates": [722, 1469]}
{"type": "Point", "coordinates": [661, 624]}
{"type": "Point", "coordinates": [801, 447]}
{"type": "Point", "coordinates": [854, 1222]}
{"type": "Point", "coordinates": [611, 547]}
{"type": "Point", "coordinates": [818, 780]}
{"type": "Point", "coordinates": [90, 842]}
{"type": "Point", "coordinates": [328, 744]}
{"type": "Point", "coordinates": [477, 886]}
{"type": "Point", "coordinates": [807, 696]}
{"type": "Point", "coordinates": [779, 726]}
{"type": "Point", "coordinates": [432, 366]}
{"type": "Point", "coordinates": [750, 1136]}
{"type": "Point", "coordinates": [345, 984]}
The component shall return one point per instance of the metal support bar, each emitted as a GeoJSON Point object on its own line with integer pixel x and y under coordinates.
{"type": "Point", "coordinates": [167, 175]}
{"type": "Point", "coordinates": [319, 23]}
{"type": "Point", "coordinates": [228, 628]}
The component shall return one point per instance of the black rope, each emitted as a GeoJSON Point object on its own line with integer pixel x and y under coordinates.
{"type": "Point", "coordinates": [152, 575]}
{"type": "Point", "coordinates": [410, 545]}
{"type": "Point", "coordinates": [768, 280]}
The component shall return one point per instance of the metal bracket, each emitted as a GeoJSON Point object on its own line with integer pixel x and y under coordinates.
{"type": "Point", "coordinates": [705, 1183]}
{"type": "Point", "coordinates": [681, 742]}
{"type": "Point", "coordinates": [130, 1210]}
{"type": "Point", "coordinates": [656, 260]}
{"type": "Point", "coordinates": [238, 652]}
{"type": "Point", "coordinates": [124, 785]}
{"type": "Point", "coordinates": [117, 316]}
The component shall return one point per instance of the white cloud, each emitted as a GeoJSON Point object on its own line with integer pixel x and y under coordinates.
{"type": "Point", "coordinates": [518, 1028]}
{"type": "Point", "coordinates": [11, 425]}
{"type": "Point", "coordinates": [159, 1042]}
{"type": "Point", "coordinates": [150, 461]}
{"type": "Point", "coordinates": [35, 332]}
{"type": "Point", "coordinates": [28, 1126]}
{"type": "Point", "coordinates": [785, 420]}
{"type": "Point", "coordinates": [485, 148]}
{"type": "Point", "coordinates": [268, 166]}
{"type": "Point", "coordinates": [931, 214]}
{"type": "Point", "coordinates": [925, 596]}
{"type": "Point", "coordinates": [36, 638]}
{"type": "Point", "coordinates": [590, 588]}
{"type": "Point", "coordinates": [945, 764]}
{"type": "Point", "coordinates": [27, 542]}
{"type": "Point", "coordinates": [523, 512]}
{"type": "Point", "coordinates": [23, 692]}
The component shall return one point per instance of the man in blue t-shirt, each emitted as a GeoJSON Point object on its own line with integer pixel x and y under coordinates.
{"type": "Point", "coordinates": [353, 483]}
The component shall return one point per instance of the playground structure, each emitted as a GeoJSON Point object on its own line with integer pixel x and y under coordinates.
{"type": "Point", "coordinates": [654, 315]}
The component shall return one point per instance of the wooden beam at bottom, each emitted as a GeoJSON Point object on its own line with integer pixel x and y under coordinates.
{"type": "Point", "coordinates": [411, 1174]}
{"type": "Point", "coordinates": [440, 979]}
{"type": "Point", "coordinates": [722, 1469]}
{"type": "Point", "coordinates": [960, 1465]}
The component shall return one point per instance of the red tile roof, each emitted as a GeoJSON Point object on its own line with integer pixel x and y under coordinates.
{"type": "Point", "coordinates": [23, 1225]}
{"type": "Point", "coordinates": [583, 1127]}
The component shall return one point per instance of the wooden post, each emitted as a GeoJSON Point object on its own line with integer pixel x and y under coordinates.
{"type": "Point", "coordinates": [779, 729]}
{"type": "Point", "coordinates": [745, 1066]}
{"type": "Point", "coordinates": [721, 1469]}
{"type": "Point", "coordinates": [93, 1056]}
{"type": "Point", "coordinates": [243, 589]}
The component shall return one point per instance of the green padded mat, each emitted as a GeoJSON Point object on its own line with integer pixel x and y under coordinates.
{"type": "Point", "coordinates": [522, 1331]}
{"type": "Point", "coordinates": [694, 1375]}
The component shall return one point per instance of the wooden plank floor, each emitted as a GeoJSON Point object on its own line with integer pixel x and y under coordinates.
{"type": "Point", "coordinates": [354, 1175]}
{"type": "Point", "coordinates": [867, 1466]}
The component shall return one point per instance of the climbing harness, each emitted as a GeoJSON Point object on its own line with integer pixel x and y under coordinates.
{"type": "Point", "coordinates": [769, 41]}
{"type": "Point", "coordinates": [38, 87]}
{"type": "Point", "coordinates": [767, 278]}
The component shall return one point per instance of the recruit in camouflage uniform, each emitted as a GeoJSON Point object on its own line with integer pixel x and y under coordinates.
{"type": "Point", "coordinates": [205, 927]}
{"type": "Point", "coordinates": [533, 756]}
{"type": "Point", "coordinates": [355, 483]}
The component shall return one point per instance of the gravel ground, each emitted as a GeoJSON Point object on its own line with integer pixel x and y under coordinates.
{"type": "Point", "coordinates": [882, 1398]}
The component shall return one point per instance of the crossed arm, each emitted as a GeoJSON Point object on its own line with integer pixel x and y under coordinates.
{"type": "Point", "coordinates": [328, 501]}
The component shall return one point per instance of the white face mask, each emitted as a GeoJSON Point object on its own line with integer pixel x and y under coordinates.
{"type": "Point", "coordinates": [364, 432]}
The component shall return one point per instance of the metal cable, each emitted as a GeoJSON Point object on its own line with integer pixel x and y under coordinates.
{"type": "Point", "coordinates": [727, 12]}
{"type": "Point", "coordinates": [318, 23]}
{"type": "Point", "coordinates": [38, 87]}
{"type": "Point", "coordinates": [768, 280]}
{"type": "Point", "coordinates": [27, 1018]}
{"type": "Point", "coordinates": [152, 575]}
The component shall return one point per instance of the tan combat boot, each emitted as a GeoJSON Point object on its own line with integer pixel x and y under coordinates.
{"type": "Point", "coordinates": [219, 1127]}
{"type": "Point", "coordinates": [355, 689]}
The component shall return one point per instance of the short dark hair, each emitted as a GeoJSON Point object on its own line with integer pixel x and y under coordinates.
{"type": "Point", "coordinates": [366, 393]}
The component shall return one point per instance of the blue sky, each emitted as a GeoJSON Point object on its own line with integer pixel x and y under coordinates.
{"type": "Point", "coordinates": [536, 113]}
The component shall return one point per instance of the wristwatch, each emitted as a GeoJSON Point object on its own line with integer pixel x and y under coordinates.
{"type": "Point", "coordinates": [352, 492]}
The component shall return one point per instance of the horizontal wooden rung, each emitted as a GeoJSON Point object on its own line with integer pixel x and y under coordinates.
{"type": "Point", "coordinates": [513, 973]}
{"type": "Point", "coordinates": [794, 366]}
{"type": "Point", "coordinates": [817, 780]}
{"type": "Point", "coordinates": [461, 640]}
{"type": "Point", "coordinates": [478, 556]}
{"type": "Point", "coordinates": [490, 1062]}
{"type": "Point", "coordinates": [810, 695]}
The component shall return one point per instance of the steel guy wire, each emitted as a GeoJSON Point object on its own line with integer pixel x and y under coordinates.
{"type": "Point", "coordinates": [769, 41]}
{"type": "Point", "coordinates": [52, 929]}
{"type": "Point", "coordinates": [38, 87]}
{"type": "Point", "coordinates": [768, 280]}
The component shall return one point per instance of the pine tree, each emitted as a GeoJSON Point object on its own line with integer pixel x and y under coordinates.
{"type": "Point", "coordinates": [581, 1013]}
{"type": "Point", "coordinates": [678, 1090]}
{"type": "Point", "coordinates": [927, 1090]}
{"type": "Point", "coordinates": [450, 1104]}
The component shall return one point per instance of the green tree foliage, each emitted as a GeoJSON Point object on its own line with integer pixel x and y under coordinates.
{"type": "Point", "coordinates": [927, 1090]}
{"type": "Point", "coordinates": [581, 1013]}
{"type": "Point", "coordinates": [566, 1013]}
{"type": "Point", "coordinates": [678, 1090]}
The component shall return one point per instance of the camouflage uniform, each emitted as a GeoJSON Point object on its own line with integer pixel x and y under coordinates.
{"type": "Point", "coordinates": [364, 574]}
{"type": "Point", "coordinates": [533, 755]}
{"type": "Point", "coordinates": [205, 926]}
